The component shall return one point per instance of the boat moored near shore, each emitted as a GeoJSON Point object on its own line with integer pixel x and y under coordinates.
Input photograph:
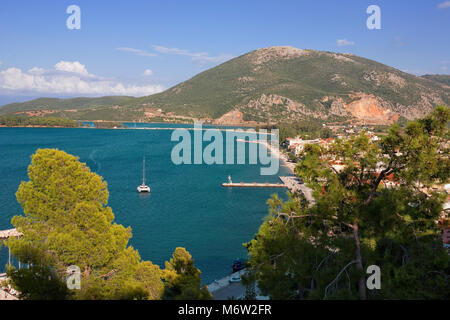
{"type": "Point", "coordinates": [143, 188]}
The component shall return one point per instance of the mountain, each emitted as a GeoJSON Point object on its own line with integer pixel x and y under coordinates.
{"type": "Point", "coordinates": [442, 78]}
{"type": "Point", "coordinates": [276, 84]}
{"type": "Point", "coordinates": [103, 108]}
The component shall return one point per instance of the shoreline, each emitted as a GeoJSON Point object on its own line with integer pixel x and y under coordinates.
{"type": "Point", "coordinates": [210, 125]}
{"type": "Point", "coordinates": [278, 152]}
{"type": "Point", "coordinates": [223, 128]}
{"type": "Point", "coordinates": [284, 158]}
{"type": "Point", "coordinates": [247, 125]}
{"type": "Point", "coordinates": [30, 126]}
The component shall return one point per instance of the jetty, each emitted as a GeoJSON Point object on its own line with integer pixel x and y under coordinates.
{"type": "Point", "coordinates": [292, 183]}
{"type": "Point", "coordinates": [253, 185]}
{"type": "Point", "coordinates": [230, 183]}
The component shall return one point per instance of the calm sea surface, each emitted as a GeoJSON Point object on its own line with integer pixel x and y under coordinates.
{"type": "Point", "coordinates": [187, 207]}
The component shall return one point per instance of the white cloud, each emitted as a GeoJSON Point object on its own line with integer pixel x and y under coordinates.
{"type": "Point", "coordinates": [148, 72]}
{"type": "Point", "coordinates": [176, 51]}
{"type": "Point", "coordinates": [68, 78]}
{"type": "Point", "coordinates": [74, 67]}
{"type": "Point", "coordinates": [138, 52]}
{"type": "Point", "coordinates": [444, 5]}
{"type": "Point", "coordinates": [344, 42]}
{"type": "Point", "coordinates": [206, 60]}
{"type": "Point", "coordinates": [36, 70]}
{"type": "Point", "coordinates": [201, 58]}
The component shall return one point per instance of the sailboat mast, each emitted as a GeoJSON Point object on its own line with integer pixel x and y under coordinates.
{"type": "Point", "coordinates": [143, 172]}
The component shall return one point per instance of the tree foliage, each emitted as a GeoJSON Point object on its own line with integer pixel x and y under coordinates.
{"type": "Point", "coordinates": [376, 204]}
{"type": "Point", "coordinates": [21, 120]}
{"type": "Point", "coordinates": [67, 222]}
{"type": "Point", "coordinates": [182, 278]}
{"type": "Point", "coordinates": [38, 283]}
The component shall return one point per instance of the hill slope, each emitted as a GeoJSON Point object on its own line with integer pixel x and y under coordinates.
{"type": "Point", "coordinates": [283, 82]}
{"type": "Point", "coordinates": [442, 78]}
{"type": "Point", "coordinates": [64, 104]}
{"type": "Point", "coordinates": [280, 83]}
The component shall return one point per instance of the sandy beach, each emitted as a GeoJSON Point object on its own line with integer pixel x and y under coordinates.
{"type": "Point", "coordinates": [280, 155]}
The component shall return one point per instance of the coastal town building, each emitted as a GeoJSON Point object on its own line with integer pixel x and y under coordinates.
{"type": "Point", "coordinates": [296, 145]}
{"type": "Point", "coordinates": [326, 142]}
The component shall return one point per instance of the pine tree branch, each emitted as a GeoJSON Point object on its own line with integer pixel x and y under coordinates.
{"type": "Point", "coordinates": [337, 277]}
{"type": "Point", "coordinates": [380, 177]}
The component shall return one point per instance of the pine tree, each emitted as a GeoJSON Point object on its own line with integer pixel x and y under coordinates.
{"type": "Point", "coordinates": [67, 222]}
{"type": "Point", "coordinates": [182, 278]}
{"type": "Point", "coordinates": [379, 207]}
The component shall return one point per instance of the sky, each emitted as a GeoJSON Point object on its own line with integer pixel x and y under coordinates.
{"type": "Point", "coordinates": [142, 47]}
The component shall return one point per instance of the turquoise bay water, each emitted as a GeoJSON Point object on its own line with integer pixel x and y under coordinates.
{"type": "Point", "coordinates": [187, 207]}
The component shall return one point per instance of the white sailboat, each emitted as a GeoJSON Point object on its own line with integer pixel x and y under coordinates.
{"type": "Point", "coordinates": [143, 187]}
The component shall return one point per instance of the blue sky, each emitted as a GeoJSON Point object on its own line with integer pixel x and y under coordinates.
{"type": "Point", "coordinates": [174, 40]}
